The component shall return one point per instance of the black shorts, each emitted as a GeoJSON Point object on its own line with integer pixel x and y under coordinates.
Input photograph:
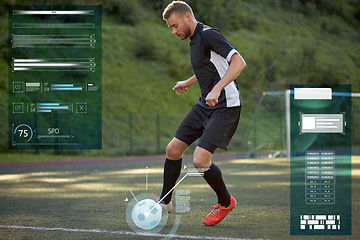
{"type": "Point", "coordinates": [214, 127]}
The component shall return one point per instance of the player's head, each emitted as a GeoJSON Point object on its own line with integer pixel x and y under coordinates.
{"type": "Point", "coordinates": [180, 17]}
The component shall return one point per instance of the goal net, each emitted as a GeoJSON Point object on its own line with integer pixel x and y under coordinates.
{"type": "Point", "coordinates": [268, 135]}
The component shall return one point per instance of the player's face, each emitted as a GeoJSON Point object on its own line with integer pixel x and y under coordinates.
{"type": "Point", "coordinates": [179, 26]}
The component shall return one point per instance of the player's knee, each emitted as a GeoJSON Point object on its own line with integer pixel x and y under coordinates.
{"type": "Point", "coordinates": [196, 162]}
{"type": "Point", "coordinates": [172, 152]}
{"type": "Point", "coordinates": [200, 165]}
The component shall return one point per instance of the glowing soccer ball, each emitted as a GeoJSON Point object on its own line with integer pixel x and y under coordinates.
{"type": "Point", "coordinates": [146, 214]}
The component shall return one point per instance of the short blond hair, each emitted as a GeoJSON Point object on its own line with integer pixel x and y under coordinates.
{"type": "Point", "coordinates": [177, 7]}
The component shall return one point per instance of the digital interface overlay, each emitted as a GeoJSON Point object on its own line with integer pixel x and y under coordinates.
{"type": "Point", "coordinates": [320, 160]}
{"type": "Point", "coordinates": [55, 77]}
{"type": "Point", "coordinates": [144, 213]}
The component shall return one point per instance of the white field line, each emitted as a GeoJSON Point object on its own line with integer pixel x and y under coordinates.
{"type": "Point", "coordinates": [120, 232]}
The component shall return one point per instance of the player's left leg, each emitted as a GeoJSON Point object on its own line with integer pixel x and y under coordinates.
{"type": "Point", "coordinates": [218, 132]}
{"type": "Point", "coordinates": [212, 175]}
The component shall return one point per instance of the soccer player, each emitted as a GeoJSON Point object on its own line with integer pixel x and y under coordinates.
{"type": "Point", "coordinates": [215, 116]}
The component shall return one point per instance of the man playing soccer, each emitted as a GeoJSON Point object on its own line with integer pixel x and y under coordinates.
{"type": "Point", "coordinates": [215, 116]}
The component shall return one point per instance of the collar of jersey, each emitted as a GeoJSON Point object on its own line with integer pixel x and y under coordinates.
{"type": "Point", "coordinates": [198, 28]}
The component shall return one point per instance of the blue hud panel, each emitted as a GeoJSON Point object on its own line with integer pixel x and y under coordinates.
{"type": "Point", "coordinates": [55, 77]}
{"type": "Point", "coordinates": [320, 160]}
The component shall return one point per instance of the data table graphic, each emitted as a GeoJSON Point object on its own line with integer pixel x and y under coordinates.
{"type": "Point", "coordinates": [55, 77]}
{"type": "Point", "coordinates": [320, 177]}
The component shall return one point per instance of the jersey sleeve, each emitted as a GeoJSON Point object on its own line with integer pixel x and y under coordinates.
{"type": "Point", "coordinates": [217, 43]}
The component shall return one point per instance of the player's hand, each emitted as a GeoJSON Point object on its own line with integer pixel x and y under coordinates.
{"type": "Point", "coordinates": [180, 87]}
{"type": "Point", "coordinates": [212, 98]}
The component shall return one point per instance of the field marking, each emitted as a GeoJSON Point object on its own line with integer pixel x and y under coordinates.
{"type": "Point", "coordinates": [120, 232]}
{"type": "Point", "coordinates": [174, 228]}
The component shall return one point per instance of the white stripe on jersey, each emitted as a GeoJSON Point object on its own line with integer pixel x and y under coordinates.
{"type": "Point", "coordinates": [221, 65]}
{"type": "Point", "coordinates": [232, 52]}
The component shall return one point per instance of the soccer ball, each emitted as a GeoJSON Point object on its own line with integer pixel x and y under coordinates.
{"type": "Point", "coordinates": [146, 214]}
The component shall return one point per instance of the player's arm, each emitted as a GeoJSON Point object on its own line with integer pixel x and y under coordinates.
{"type": "Point", "coordinates": [237, 64]}
{"type": "Point", "coordinates": [182, 86]}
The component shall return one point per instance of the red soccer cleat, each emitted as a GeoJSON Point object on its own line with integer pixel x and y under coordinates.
{"type": "Point", "coordinates": [218, 213]}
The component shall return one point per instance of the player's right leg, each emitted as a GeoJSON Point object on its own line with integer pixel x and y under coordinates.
{"type": "Point", "coordinates": [175, 149]}
{"type": "Point", "coordinates": [189, 130]}
{"type": "Point", "coordinates": [172, 169]}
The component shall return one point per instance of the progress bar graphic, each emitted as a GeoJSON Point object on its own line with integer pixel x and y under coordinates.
{"type": "Point", "coordinates": [53, 107]}
{"type": "Point", "coordinates": [54, 64]}
{"type": "Point", "coordinates": [86, 41]}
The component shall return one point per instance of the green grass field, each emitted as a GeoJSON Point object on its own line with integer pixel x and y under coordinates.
{"type": "Point", "coordinates": [92, 196]}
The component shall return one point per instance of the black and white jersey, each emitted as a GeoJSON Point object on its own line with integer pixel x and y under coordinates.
{"type": "Point", "coordinates": [210, 57]}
